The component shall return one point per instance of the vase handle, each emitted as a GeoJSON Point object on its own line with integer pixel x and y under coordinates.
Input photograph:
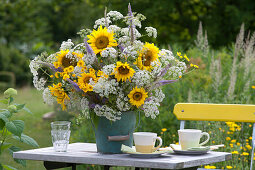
{"type": "Point", "coordinates": [118, 138]}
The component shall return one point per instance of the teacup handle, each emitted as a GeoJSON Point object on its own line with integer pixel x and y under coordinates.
{"type": "Point", "coordinates": [208, 137]}
{"type": "Point", "coordinates": [160, 143]}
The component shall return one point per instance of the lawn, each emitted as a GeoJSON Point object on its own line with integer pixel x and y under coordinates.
{"type": "Point", "coordinates": [35, 126]}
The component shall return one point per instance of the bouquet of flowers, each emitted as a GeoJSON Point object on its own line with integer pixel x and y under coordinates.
{"type": "Point", "coordinates": [111, 72]}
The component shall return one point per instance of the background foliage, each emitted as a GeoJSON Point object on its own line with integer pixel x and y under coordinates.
{"type": "Point", "coordinates": [28, 27]}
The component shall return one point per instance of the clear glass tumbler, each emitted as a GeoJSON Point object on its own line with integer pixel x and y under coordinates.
{"type": "Point", "coordinates": [60, 133]}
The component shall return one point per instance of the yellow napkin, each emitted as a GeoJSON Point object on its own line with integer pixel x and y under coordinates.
{"type": "Point", "coordinates": [127, 149]}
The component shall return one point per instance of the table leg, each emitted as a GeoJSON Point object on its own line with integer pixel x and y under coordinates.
{"type": "Point", "coordinates": [56, 165]}
{"type": "Point", "coordinates": [107, 167]}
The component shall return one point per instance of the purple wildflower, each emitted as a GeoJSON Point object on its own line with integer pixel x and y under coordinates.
{"type": "Point", "coordinates": [121, 48]}
{"type": "Point", "coordinates": [164, 71]}
{"type": "Point", "coordinates": [75, 85]}
{"type": "Point", "coordinates": [88, 47]}
{"type": "Point", "coordinates": [131, 24]}
{"type": "Point", "coordinates": [164, 82]}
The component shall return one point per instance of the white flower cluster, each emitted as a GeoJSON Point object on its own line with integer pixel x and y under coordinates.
{"type": "Point", "coordinates": [89, 59]}
{"type": "Point", "coordinates": [108, 69]}
{"type": "Point", "coordinates": [101, 21]}
{"type": "Point", "coordinates": [39, 83]}
{"type": "Point", "coordinates": [166, 56]}
{"type": "Point", "coordinates": [141, 78]}
{"type": "Point", "coordinates": [126, 32]}
{"type": "Point", "coordinates": [151, 32]}
{"type": "Point", "coordinates": [129, 51]}
{"type": "Point", "coordinates": [114, 28]}
{"type": "Point", "coordinates": [136, 22]}
{"type": "Point", "coordinates": [151, 109]}
{"type": "Point", "coordinates": [34, 66]}
{"type": "Point", "coordinates": [114, 15]}
{"type": "Point", "coordinates": [175, 71]}
{"type": "Point", "coordinates": [104, 87]}
{"type": "Point", "coordinates": [156, 69]}
{"type": "Point", "coordinates": [158, 96]}
{"type": "Point", "coordinates": [109, 53]}
{"type": "Point", "coordinates": [74, 103]}
{"type": "Point", "coordinates": [107, 112]}
{"type": "Point", "coordinates": [51, 58]}
{"type": "Point", "coordinates": [47, 97]}
{"type": "Point", "coordinates": [182, 66]}
{"type": "Point", "coordinates": [85, 107]}
{"type": "Point", "coordinates": [122, 102]}
{"type": "Point", "coordinates": [66, 45]}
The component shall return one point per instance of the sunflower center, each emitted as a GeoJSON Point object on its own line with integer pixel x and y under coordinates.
{"type": "Point", "coordinates": [123, 70]}
{"type": "Point", "coordinates": [86, 79]}
{"type": "Point", "coordinates": [66, 62]}
{"type": "Point", "coordinates": [102, 42]}
{"type": "Point", "coordinates": [137, 96]}
{"type": "Point", "coordinates": [147, 58]}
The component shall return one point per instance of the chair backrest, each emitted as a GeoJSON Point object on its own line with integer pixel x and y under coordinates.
{"type": "Point", "coordinates": [217, 112]}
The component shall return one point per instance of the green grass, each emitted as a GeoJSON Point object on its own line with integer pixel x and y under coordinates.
{"type": "Point", "coordinates": [35, 126]}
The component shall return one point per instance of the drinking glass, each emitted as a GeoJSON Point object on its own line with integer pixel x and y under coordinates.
{"type": "Point", "coordinates": [60, 133]}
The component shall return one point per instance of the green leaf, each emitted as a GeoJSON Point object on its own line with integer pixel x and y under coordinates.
{"type": "Point", "coordinates": [16, 149]}
{"type": "Point", "coordinates": [4, 118]}
{"type": "Point", "coordinates": [21, 161]}
{"type": "Point", "coordinates": [2, 124]}
{"type": "Point", "coordinates": [20, 106]}
{"type": "Point", "coordinates": [6, 113]}
{"type": "Point", "coordinates": [5, 146]}
{"type": "Point", "coordinates": [26, 139]}
{"type": "Point", "coordinates": [8, 167]}
{"type": "Point", "coordinates": [4, 101]}
{"type": "Point", "coordinates": [1, 167]}
{"type": "Point", "coordinates": [16, 127]}
{"type": "Point", "coordinates": [27, 110]}
{"type": "Point", "coordinates": [13, 149]}
{"type": "Point", "coordinates": [11, 100]}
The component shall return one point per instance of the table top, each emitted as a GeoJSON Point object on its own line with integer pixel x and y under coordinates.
{"type": "Point", "coordinates": [86, 153]}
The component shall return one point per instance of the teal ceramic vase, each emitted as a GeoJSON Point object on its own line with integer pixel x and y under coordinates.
{"type": "Point", "coordinates": [110, 135]}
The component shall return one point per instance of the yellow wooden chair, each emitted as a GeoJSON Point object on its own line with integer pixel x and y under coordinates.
{"type": "Point", "coordinates": [217, 112]}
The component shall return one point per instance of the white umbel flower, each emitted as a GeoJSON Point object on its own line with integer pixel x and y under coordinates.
{"type": "Point", "coordinates": [66, 45]}
{"type": "Point", "coordinates": [39, 83]}
{"type": "Point", "coordinates": [151, 109]}
{"type": "Point", "coordinates": [114, 28]}
{"type": "Point", "coordinates": [151, 32]}
{"type": "Point", "coordinates": [101, 21]}
{"type": "Point", "coordinates": [141, 78]}
{"type": "Point", "coordinates": [109, 53]}
{"type": "Point", "coordinates": [108, 69]}
{"type": "Point", "coordinates": [114, 15]}
{"type": "Point", "coordinates": [47, 97]}
{"type": "Point", "coordinates": [104, 87]}
{"type": "Point", "coordinates": [107, 112]}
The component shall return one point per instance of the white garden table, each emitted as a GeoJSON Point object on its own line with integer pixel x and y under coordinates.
{"type": "Point", "coordinates": [86, 153]}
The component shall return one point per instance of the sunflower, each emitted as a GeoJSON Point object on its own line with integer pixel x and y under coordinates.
{"type": "Point", "coordinates": [137, 96]}
{"type": "Point", "coordinates": [101, 39]}
{"type": "Point", "coordinates": [64, 61]}
{"type": "Point", "coordinates": [123, 71]}
{"type": "Point", "coordinates": [84, 79]}
{"type": "Point", "coordinates": [148, 54]}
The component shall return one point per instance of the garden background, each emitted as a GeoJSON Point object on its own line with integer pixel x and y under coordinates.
{"type": "Point", "coordinates": [217, 35]}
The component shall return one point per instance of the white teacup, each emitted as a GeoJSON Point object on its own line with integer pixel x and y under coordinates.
{"type": "Point", "coordinates": [191, 137]}
{"type": "Point", "coordinates": [145, 142]}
